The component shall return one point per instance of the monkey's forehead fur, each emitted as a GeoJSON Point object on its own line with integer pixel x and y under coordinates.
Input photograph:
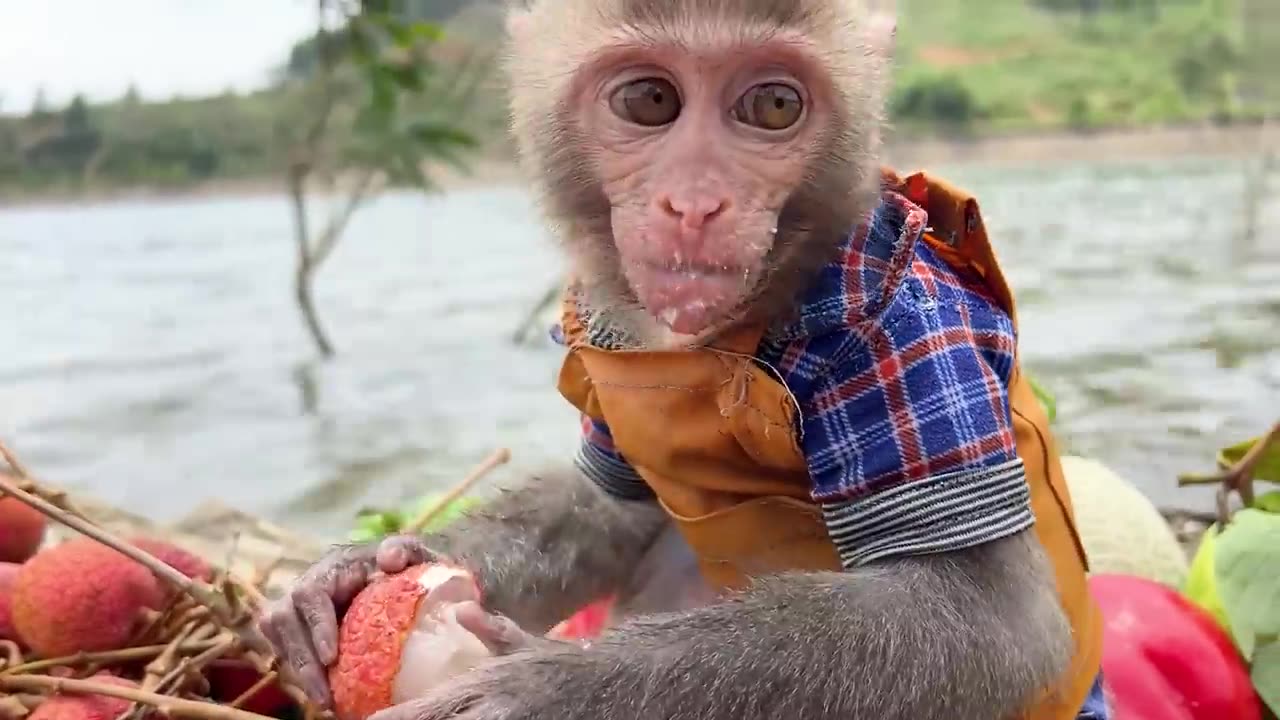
{"type": "Point", "coordinates": [549, 39]}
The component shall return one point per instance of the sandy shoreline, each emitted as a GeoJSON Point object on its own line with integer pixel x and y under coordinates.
{"type": "Point", "coordinates": [1112, 146]}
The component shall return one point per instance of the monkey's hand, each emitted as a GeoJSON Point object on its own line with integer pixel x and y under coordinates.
{"type": "Point", "coordinates": [302, 626]}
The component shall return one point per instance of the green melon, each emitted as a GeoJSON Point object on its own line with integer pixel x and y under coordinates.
{"type": "Point", "coordinates": [1121, 530]}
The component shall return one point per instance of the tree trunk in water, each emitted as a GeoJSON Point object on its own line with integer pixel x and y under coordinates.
{"type": "Point", "coordinates": [305, 267]}
{"type": "Point", "coordinates": [302, 292]}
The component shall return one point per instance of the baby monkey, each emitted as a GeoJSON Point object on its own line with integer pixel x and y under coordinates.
{"type": "Point", "coordinates": [811, 466]}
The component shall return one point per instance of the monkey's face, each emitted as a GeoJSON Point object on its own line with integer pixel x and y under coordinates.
{"type": "Point", "coordinates": [701, 157]}
{"type": "Point", "coordinates": [697, 155]}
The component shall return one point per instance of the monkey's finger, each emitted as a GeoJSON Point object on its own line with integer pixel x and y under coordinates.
{"type": "Point", "coordinates": [400, 551]}
{"type": "Point", "coordinates": [287, 634]}
{"type": "Point", "coordinates": [316, 610]}
{"type": "Point", "coordinates": [498, 633]}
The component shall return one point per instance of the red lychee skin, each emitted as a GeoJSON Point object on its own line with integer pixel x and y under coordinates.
{"type": "Point", "coordinates": [81, 596]}
{"type": "Point", "coordinates": [85, 707]}
{"type": "Point", "coordinates": [372, 636]}
{"type": "Point", "coordinates": [184, 562]}
{"type": "Point", "coordinates": [21, 530]}
{"type": "Point", "coordinates": [8, 576]}
{"type": "Point", "coordinates": [226, 683]}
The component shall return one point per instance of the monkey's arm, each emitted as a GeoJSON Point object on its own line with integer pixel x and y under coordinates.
{"type": "Point", "coordinates": [969, 635]}
{"type": "Point", "coordinates": [560, 540]}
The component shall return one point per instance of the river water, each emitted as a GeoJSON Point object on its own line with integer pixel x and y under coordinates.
{"type": "Point", "coordinates": [150, 353]}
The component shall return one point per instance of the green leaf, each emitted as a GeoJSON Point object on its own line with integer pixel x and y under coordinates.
{"type": "Point", "coordinates": [378, 114]}
{"type": "Point", "coordinates": [1247, 565]}
{"type": "Point", "coordinates": [428, 31]}
{"type": "Point", "coordinates": [1265, 674]}
{"type": "Point", "coordinates": [408, 77]}
{"type": "Point", "coordinates": [451, 512]}
{"type": "Point", "coordinates": [1270, 502]}
{"type": "Point", "coordinates": [359, 42]}
{"type": "Point", "coordinates": [1268, 467]}
{"type": "Point", "coordinates": [435, 134]}
{"type": "Point", "coordinates": [401, 34]}
{"type": "Point", "coordinates": [1046, 399]}
{"type": "Point", "coordinates": [373, 524]}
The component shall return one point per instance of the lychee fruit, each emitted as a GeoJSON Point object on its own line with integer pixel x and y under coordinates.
{"type": "Point", "coordinates": [81, 596]}
{"type": "Point", "coordinates": [85, 707]}
{"type": "Point", "coordinates": [228, 682]}
{"type": "Point", "coordinates": [21, 530]}
{"type": "Point", "coordinates": [184, 562]}
{"type": "Point", "coordinates": [399, 638]}
{"type": "Point", "coordinates": [8, 575]}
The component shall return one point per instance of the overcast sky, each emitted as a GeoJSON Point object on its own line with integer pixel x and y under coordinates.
{"type": "Point", "coordinates": [164, 47]}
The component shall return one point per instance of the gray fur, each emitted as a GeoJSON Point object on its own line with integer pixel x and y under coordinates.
{"type": "Point", "coordinates": [974, 635]}
{"type": "Point", "coordinates": [550, 545]}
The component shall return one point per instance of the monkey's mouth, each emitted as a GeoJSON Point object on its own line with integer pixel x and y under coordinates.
{"type": "Point", "coordinates": [687, 298]}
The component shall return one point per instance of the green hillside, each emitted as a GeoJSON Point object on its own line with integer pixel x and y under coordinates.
{"type": "Point", "coordinates": [1002, 65]}
{"type": "Point", "coordinates": [964, 67]}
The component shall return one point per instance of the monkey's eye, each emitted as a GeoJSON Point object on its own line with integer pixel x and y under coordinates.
{"type": "Point", "coordinates": [771, 106]}
{"type": "Point", "coordinates": [651, 102]}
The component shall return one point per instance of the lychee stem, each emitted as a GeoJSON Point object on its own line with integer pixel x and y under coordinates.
{"type": "Point", "coordinates": [263, 681]}
{"type": "Point", "coordinates": [174, 707]}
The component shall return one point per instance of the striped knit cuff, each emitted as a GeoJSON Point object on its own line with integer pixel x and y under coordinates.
{"type": "Point", "coordinates": [949, 512]}
{"type": "Point", "coordinates": [611, 473]}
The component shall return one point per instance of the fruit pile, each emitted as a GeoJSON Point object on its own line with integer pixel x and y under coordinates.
{"type": "Point", "coordinates": [1199, 642]}
{"type": "Point", "coordinates": [89, 633]}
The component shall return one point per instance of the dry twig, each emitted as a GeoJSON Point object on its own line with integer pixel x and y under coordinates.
{"type": "Point", "coordinates": [173, 707]}
{"type": "Point", "coordinates": [499, 457]}
{"type": "Point", "coordinates": [1237, 478]}
{"type": "Point", "coordinates": [257, 687]}
{"type": "Point", "coordinates": [106, 657]}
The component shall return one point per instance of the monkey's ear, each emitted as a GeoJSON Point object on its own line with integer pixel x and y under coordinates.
{"type": "Point", "coordinates": [519, 20]}
{"type": "Point", "coordinates": [881, 33]}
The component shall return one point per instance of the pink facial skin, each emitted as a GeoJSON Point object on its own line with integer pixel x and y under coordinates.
{"type": "Point", "coordinates": [695, 200]}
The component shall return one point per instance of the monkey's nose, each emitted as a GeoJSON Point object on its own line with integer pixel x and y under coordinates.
{"type": "Point", "coordinates": [694, 210]}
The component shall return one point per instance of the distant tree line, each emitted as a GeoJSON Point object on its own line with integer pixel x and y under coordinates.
{"type": "Point", "coordinates": [1066, 64]}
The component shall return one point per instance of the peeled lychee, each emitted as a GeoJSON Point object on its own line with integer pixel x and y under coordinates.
{"type": "Point", "coordinates": [85, 707]}
{"type": "Point", "coordinates": [8, 575]}
{"type": "Point", "coordinates": [81, 596]}
{"type": "Point", "coordinates": [399, 638]}
{"type": "Point", "coordinates": [21, 530]}
{"type": "Point", "coordinates": [184, 562]}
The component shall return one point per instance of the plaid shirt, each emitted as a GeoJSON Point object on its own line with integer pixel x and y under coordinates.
{"type": "Point", "coordinates": [900, 365]}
